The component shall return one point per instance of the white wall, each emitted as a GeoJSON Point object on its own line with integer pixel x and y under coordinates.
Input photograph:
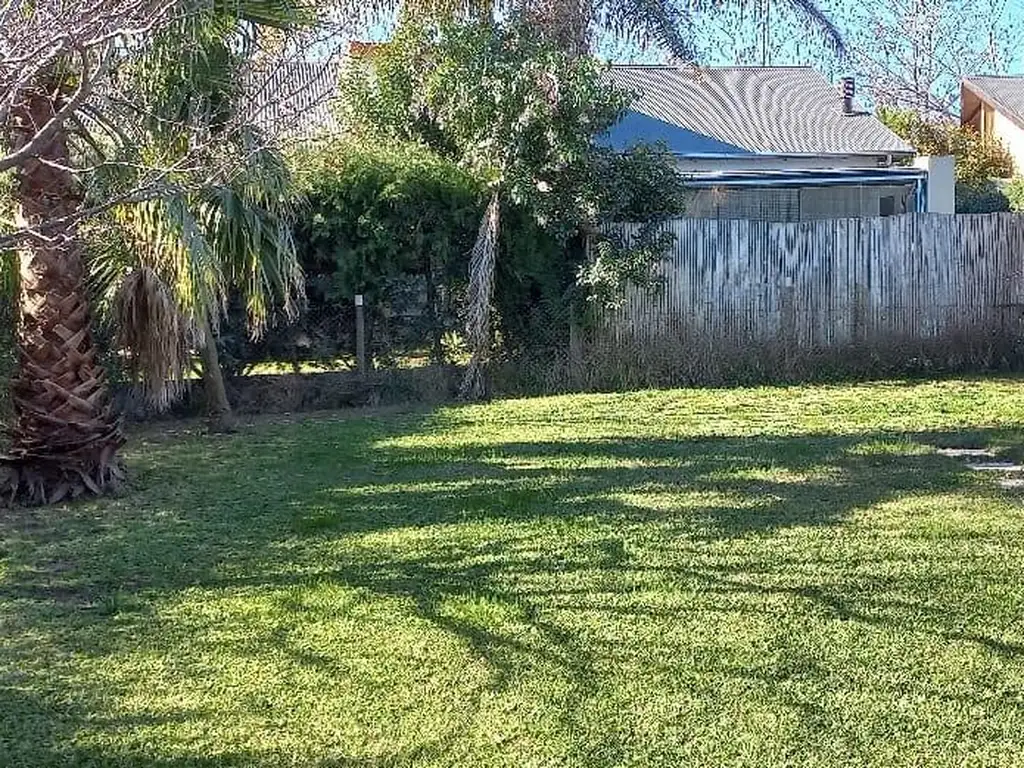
{"type": "Point", "coordinates": [941, 182]}
{"type": "Point", "coordinates": [1012, 136]}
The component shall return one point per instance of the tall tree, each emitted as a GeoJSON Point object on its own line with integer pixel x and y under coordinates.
{"type": "Point", "coordinates": [914, 53]}
{"type": "Point", "coordinates": [66, 436]}
{"type": "Point", "coordinates": [522, 115]}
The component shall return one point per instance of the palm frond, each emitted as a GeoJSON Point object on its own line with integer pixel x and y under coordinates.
{"type": "Point", "coordinates": [158, 279]}
{"type": "Point", "coordinates": [666, 23]}
{"type": "Point", "coordinates": [274, 14]}
{"type": "Point", "coordinates": [153, 333]}
{"type": "Point", "coordinates": [819, 22]}
{"type": "Point", "coordinates": [250, 223]}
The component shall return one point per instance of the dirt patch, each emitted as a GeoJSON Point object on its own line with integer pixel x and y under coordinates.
{"type": "Point", "coordinates": [306, 393]}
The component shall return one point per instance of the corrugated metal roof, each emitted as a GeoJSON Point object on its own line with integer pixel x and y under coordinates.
{"type": "Point", "coordinates": [1004, 93]}
{"type": "Point", "coordinates": [297, 98]}
{"type": "Point", "coordinates": [747, 110]}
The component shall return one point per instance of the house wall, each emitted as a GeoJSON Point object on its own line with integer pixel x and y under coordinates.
{"type": "Point", "coordinates": [770, 163]}
{"type": "Point", "coordinates": [781, 204]}
{"type": "Point", "coordinates": [1011, 134]}
{"type": "Point", "coordinates": [970, 108]}
{"type": "Point", "coordinates": [941, 184]}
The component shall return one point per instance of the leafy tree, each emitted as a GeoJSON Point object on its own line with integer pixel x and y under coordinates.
{"type": "Point", "coordinates": [521, 115]}
{"type": "Point", "coordinates": [978, 158]}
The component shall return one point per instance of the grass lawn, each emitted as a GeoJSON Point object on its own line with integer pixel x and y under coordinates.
{"type": "Point", "coordinates": [760, 577]}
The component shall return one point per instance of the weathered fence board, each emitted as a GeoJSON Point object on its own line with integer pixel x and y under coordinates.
{"type": "Point", "coordinates": [830, 283]}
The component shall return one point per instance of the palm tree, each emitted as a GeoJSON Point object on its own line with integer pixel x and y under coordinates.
{"type": "Point", "coordinates": [170, 265]}
{"type": "Point", "coordinates": [65, 435]}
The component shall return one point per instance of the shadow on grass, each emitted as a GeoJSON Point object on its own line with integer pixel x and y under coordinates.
{"type": "Point", "coordinates": [497, 545]}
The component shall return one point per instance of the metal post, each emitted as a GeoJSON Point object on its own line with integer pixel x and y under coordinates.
{"type": "Point", "coordinates": [360, 335]}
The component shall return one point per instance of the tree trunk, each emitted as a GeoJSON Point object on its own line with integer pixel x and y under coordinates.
{"type": "Point", "coordinates": [218, 409]}
{"type": "Point", "coordinates": [65, 436]}
{"type": "Point", "coordinates": [434, 314]}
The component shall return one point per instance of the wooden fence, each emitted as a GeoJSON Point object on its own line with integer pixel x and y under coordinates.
{"type": "Point", "coordinates": [743, 301]}
{"type": "Point", "coordinates": [834, 282]}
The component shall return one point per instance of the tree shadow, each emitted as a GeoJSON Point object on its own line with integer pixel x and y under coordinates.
{"type": "Point", "coordinates": [524, 552]}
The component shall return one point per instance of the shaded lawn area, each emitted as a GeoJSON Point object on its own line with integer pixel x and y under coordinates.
{"type": "Point", "coordinates": [783, 576]}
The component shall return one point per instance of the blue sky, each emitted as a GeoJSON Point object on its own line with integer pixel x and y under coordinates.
{"type": "Point", "coordinates": [734, 35]}
{"type": "Point", "coordinates": [789, 40]}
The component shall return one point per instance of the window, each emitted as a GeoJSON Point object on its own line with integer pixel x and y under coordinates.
{"type": "Point", "coordinates": [887, 205]}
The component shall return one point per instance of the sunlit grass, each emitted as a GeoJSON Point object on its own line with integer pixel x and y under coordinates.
{"type": "Point", "coordinates": [778, 576]}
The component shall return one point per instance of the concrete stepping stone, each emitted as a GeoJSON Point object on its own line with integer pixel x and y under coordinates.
{"type": "Point", "coordinates": [996, 466]}
{"type": "Point", "coordinates": [966, 453]}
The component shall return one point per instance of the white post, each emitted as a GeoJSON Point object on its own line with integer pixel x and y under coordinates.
{"type": "Point", "coordinates": [941, 182]}
{"type": "Point", "coordinates": [361, 360]}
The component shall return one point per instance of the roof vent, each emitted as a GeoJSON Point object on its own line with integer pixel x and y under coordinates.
{"type": "Point", "coordinates": [849, 90]}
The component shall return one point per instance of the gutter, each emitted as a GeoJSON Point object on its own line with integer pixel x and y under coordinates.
{"type": "Point", "coordinates": [887, 156]}
{"type": "Point", "coordinates": [809, 179]}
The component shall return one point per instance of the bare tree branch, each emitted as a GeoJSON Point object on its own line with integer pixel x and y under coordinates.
{"type": "Point", "coordinates": [91, 47]}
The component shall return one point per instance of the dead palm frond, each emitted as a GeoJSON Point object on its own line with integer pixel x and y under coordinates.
{"type": "Point", "coordinates": [481, 289]}
{"type": "Point", "coordinates": [153, 333]}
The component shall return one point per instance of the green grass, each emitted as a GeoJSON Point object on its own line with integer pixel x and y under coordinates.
{"type": "Point", "coordinates": [760, 577]}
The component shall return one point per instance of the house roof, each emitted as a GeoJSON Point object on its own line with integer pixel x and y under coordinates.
{"type": "Point", "coordinates": [297, 98]}
{"type": "Point", "coordinates": [716, 111]}
{"type": "Point", "coordinates": [1005, 93]}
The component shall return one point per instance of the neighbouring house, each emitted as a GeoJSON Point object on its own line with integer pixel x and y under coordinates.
{"type": "Point", "coordinates": [995, 107]}
{"type": "Point", "coordinates": [298, 98]}
{"type": "Point", "coordinates": [769, 143]}
{"type": "Point", "coordinates": [766, 143]}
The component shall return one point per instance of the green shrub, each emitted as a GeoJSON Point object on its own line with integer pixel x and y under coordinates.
{"type": "Point", "coordinates": [395, 224]}
{"type": "Point", "coordinates": [1014, 192]}
{"type": "Point", "coordinates": [978, 158]}
{"type": "Point", "coordinates": [984, 197]}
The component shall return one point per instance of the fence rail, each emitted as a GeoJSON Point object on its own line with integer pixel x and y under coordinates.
{"type": "Point", "coordinates": [832, 283]}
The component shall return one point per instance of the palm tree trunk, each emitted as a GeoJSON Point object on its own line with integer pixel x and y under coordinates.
{"type": "Point", "coordinates": [65, 436]}
{"type": "Point", "coordinates": [218, 407]}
